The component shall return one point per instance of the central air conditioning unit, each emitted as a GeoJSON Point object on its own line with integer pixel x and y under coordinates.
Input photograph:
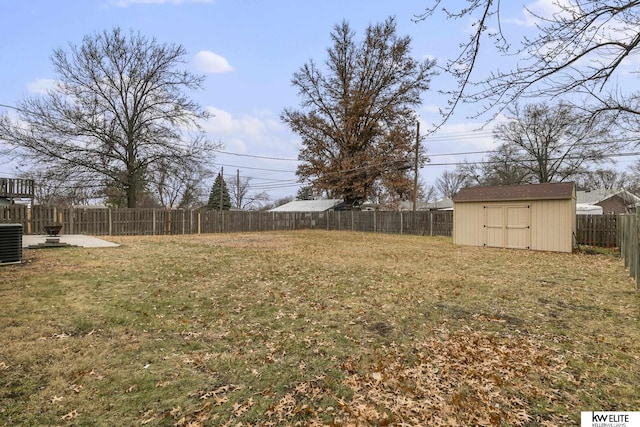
{"type": "Point", "coordinates": [10, 243]}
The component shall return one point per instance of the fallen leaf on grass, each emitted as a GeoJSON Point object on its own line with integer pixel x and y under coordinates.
{"type": "Point", "coordinates": [70, 416]}
{"type": "Point", "coordinates": [458, 378]}
{"type": "Point", "coordinates": [197, 418]}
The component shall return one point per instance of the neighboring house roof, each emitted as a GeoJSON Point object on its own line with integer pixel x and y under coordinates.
{"type": "Point", "coordinates": [593, 197]}
{"type": "Point", "coordinates": [308, 206]}
{"type": "Point", "coordinates": [445, 203]}
{"type": "Point", "coordinates": [587, 209]}
{"type": "Point", "coordinates": [556, 191]}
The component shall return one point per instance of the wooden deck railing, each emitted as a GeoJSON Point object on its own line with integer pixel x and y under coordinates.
{"type": "Point", "coordinates": [16, 187]}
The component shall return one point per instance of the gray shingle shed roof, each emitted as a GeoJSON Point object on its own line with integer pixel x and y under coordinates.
{"type": "Point", "coordinates": [555, 191]}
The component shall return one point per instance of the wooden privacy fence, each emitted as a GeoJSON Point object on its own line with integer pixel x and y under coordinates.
{"type": "Point", "coordinates": [629, 236]}
{"type": "Point", "coordinates": [105, 221]}
{"type": "Point", "coordinates": [595, 230]}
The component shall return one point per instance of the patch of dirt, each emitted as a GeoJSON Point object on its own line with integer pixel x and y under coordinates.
{"type": "Point", "coordinates": [381, 328]}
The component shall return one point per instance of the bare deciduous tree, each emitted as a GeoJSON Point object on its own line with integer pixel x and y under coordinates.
{"type": "Point", "coordinates": [554, 143]}
{"type": "Point", "coordinates": [450, 182]}
{"type": "Point", "coordinates": [604, 178]}
{"type": "Point", "coordinates": [118, 110]}
{"type": "Point", "coordinates": [580, 48]}
{"type": "Point", "coordinates": [502, 167]}
{"type": "Point", "coordinates": [241, 195]}
{"type": "Point", "coordinates": [52, 187]}
{"type": "Point", "coordinates": [178, 187]}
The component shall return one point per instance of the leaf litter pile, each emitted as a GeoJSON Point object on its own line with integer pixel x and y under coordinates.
{"type": "Point", "coordinates": [314, 328]}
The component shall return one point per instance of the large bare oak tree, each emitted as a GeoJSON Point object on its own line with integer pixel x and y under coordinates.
{"type": "Point", "coordinates": [119, 112]}
{"type": "Point", "coordinates": [357, 115]}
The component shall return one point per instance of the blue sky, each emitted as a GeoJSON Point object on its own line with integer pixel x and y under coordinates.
{"type": "Point", "coordinates": [248, 50]}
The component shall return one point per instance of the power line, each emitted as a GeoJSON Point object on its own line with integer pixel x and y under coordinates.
{"type": "Point", "coordinates": [256, 156]}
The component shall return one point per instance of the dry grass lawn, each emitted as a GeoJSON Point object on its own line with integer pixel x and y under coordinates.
{"type": "Point", "coordinates": [314, 328]}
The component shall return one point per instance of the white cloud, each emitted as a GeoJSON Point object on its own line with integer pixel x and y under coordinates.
{"type": "Point", "coordinates": [210, 62]}
{"type": "Point", "coordinates": [257, 144]}
{"type": "Point", "coordinates": [127, 3]}
{"type": "Point", "coordinates": [42, 86]}
{"type": "Point", "coordinates": [249, 133]}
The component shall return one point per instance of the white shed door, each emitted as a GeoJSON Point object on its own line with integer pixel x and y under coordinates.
{"type": "Point", "coordinates": [507, 226]}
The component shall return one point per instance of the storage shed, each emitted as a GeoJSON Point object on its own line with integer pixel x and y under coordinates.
{"type": "Point", "coordinates": [536, 216]}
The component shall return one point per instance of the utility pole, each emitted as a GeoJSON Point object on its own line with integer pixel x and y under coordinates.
{"type": "Point", "coordinates": [221, 185]}
{"type": "Point", "coordinates": [238, 201]}
{"type": "Point", "coordinates": [221, 199]}
{"type": "Point", "coordinates": [415, 171]}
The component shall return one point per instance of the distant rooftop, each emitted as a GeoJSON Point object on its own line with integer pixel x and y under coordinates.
{"type": "Point", "coordinates": [592, 197]}
{"type": "Point", "coordinates": [308, 206]}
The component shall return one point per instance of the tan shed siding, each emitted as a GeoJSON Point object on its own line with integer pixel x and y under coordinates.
{"type": "Point", "coordinates": [494, 235]}
{"type": "Point", "coordinates": [468, 220]}
{"type": "Point", "coordinates": [518, 226]}
{"type": "Point", "coordinates": [553, 224]}
{"type": "Point", "coordinates": [546, 225]}
{"type": "Point", "coordinates": [535, 216]}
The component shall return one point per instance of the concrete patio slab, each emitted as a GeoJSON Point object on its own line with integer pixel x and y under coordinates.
{"type": "Point", "coordinates": [70, 239]}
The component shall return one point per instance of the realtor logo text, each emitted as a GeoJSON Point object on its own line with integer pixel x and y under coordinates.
{"type": "Point", "coordinates": [609, 419]}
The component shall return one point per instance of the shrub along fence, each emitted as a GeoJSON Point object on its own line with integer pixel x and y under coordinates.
{"type": "Point", "coordinates": [595, 230]}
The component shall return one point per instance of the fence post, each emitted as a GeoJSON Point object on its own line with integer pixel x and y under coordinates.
{"type": "Point", "coordinates": [636, 250]}
{"type": "Point", "coordinates": [632, 245]}
{"type": "Point", "coordinates": [110, 223]}
{"type": "Point", "coordinates": [375, 225]}
{"type": "Point", "coordinates": [430, 223]}
{"type": "Point", "coordinates": [400, 222]}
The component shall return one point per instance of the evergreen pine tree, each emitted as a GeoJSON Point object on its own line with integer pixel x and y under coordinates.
{"type": "Point", "coordinates": [214, 197]}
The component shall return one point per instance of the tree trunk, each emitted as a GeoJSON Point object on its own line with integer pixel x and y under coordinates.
{"type": "Point", "coordinates": [131, 189]}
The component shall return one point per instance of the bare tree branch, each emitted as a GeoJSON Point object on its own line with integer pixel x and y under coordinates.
{"type": "Point", "coordinates": [119, 110]}
{"type": "Point", "coordinates": [579, 49]}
